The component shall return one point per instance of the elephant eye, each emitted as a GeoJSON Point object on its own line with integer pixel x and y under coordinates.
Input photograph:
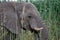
{"type": "Point", "coordinates": [29, 16]}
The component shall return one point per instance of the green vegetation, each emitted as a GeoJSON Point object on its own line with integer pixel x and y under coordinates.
{"type": "Point", "coordinates": [49, 10]}
{"type": "Point", "coordinates": [50, 13]}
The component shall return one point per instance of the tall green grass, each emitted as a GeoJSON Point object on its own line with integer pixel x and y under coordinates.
{"type": "Point", "coordinates": [50, 10]}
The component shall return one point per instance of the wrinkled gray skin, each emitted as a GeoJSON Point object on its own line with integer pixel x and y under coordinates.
{"type": "Point", "coordinates": [11, 16]}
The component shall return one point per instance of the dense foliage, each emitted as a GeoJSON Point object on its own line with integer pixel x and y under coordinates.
{"type": "Point", "coordinates": [49, 10]}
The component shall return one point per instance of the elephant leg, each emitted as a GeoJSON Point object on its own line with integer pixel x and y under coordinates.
{"type": "Point", "coordinates": [9, 35]}
{"type": "Point", "coordinates": [18, 35]}
{"type": "Point", "coordinates": [36, 36]}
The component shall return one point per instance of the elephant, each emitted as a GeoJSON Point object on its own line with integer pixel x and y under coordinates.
{"type": "Point", "coordinates": [15, 16]}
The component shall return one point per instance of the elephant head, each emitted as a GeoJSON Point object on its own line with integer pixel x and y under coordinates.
{"type": "Point", "coordinates": [25, 16]}
{"type": "Point", "coordinates": [29, 17]}
{"type": "Point", "coordinates": [31, 20]}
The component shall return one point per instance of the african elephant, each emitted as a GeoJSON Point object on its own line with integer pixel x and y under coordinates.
{"type": "Point", "coordinates": [16, 16]}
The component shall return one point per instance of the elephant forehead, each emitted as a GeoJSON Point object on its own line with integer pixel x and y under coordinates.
{"type": "Point", "coordinates": [29, 12]}
{"type": "Point", "coordinates": [29, 9]}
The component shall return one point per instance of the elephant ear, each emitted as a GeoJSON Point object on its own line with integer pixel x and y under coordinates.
{"type": "Point", "coordinates": [10, 21]}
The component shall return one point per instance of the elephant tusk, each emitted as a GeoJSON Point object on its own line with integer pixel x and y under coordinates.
{"type": "Point", "coordinates": [37, 29]}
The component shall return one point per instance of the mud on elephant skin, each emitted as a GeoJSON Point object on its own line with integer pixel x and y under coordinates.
{"type": "Point", "coordinates": [16, 16]}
